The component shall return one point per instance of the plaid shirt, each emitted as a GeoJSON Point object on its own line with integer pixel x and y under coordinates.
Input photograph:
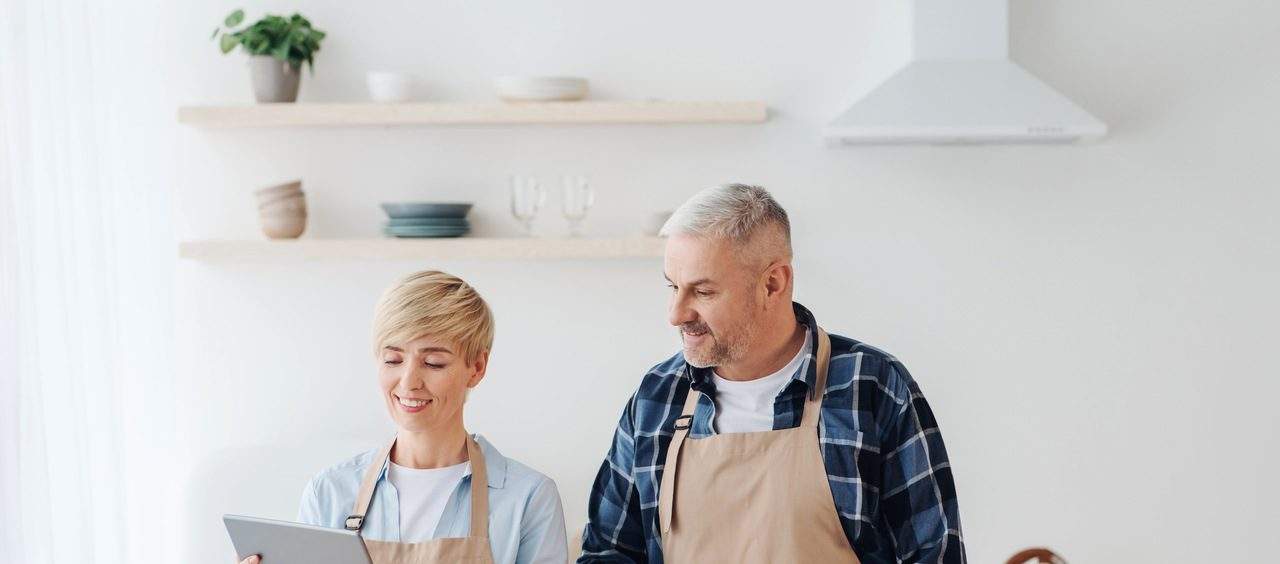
{"type": "Point", "coordinates": [884, 456]}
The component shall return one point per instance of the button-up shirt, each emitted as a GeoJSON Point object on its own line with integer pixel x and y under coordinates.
{"type": "Point", "coordinates": [526, 521]}
{"type": "Point", "coordinates": [883, 453]}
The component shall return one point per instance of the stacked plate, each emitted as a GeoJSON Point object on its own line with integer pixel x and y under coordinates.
{"type": "Point", "coordinates": [427, 219]}
{"type": "Point", "coordinates": [540, 88]}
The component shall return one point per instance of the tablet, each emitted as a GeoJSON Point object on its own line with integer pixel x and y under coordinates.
{"type": "Point", "coordinates": [282, 542]}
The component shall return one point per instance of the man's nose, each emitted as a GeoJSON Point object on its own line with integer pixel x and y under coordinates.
{"type": "Point", "coordinates": [679, 312]}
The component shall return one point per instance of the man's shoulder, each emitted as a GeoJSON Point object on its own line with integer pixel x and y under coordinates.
{"type": "Point", "coordinates": [855, 361]}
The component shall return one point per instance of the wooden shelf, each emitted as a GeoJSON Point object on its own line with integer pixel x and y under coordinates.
{"type": "Point", "coordinates": [462, 248]}
{"type": "Point", "coordinates": [584, 112]}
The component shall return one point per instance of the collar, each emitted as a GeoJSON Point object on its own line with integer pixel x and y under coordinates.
{"type": "Point", "coordinates": [495, 463]}
{"type": "Point", "coordinates": [700, 378]}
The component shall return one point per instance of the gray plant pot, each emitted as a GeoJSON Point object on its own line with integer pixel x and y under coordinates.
{"type": "Point", "coordinates": [273, 80]}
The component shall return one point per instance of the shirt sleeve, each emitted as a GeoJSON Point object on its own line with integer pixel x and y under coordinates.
{"type": "Point", "coordinates": [309, 511]}
{"type": "Point", "coordinates": [919, 495]}
{"type": "Point", "coordinates": [542, 533]}
{"type": "Point", "coordinates": [614, 532]}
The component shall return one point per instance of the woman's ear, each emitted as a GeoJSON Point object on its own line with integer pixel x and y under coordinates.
{"type": "Point", "coordinates": [480, 365]}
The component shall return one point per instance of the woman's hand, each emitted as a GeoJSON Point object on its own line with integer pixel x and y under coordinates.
{"type": "Point", "coordinates": [254, 559]}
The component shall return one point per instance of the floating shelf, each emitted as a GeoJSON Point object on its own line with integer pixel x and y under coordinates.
{"type": "Point", "coordinates": [584, 112]}
{"type": "Point", "coordinates": [462, 248]}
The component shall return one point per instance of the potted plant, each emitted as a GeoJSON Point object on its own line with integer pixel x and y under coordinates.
{"type": "Point", "coordinates": [277, 48]}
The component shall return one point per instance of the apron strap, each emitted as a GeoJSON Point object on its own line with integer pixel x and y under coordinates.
{"type": "Point", "coordinates": [356, 520]}
{"type": "Point", "coordinates": [479, 496]}
{"type": "Point", "coordinates": [813, 405]}
{"type": "Point", "coordinates": [683, 422]}
{"type": "Point", "coordinates": [480, 492]}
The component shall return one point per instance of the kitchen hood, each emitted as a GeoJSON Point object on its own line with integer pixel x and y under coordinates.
{"type": "Point", "coordinates": [961, 87]}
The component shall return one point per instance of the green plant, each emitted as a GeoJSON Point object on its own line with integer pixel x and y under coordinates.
{"type": "Point", "coordinates": [289, 39]}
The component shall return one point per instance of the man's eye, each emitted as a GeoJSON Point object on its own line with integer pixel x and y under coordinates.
{"type": "Point", "coordinates": [703, 293]}
{"type": "Point", "coordinates": [672, 286]}
{"type": "Point", "coordinates": [436, 366]}
{"type": "Point", "coordinates": [390, 361]}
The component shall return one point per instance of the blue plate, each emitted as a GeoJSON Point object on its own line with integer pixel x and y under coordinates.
{"type": "Point", "coordinates": [412, 228]}
{"type": "Point", "coordinates": [426, 231]}
{"type": "Point", "coordinates": [398, 210]}
{"type": "Point", "coordinates": [425, 235]}
{"type": "Point", "coordinates": [428, 222]}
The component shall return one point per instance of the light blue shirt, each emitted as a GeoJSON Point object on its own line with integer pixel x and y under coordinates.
{"type": "Point", "coordinates": [526, 521]}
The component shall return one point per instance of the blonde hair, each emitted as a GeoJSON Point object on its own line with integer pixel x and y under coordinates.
{"type": "Point", "coordinates": [438, 304]}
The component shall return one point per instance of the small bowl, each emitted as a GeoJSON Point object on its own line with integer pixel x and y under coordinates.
{"type": "Point", "coordinates": [389, 87]}
{"type": "Point", "coordinates": [283, 226]}
{"type": "Point", "coordinates": [285, 206]}
{"type": "Point", "coordinates": [264, 203]}
{"type": "Point", "coordinates": [272, 192]}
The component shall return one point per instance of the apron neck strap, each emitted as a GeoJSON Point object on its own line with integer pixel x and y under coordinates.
{"type": "Point", "coordinates": [479, 490]}
{"type": "Point", "coordinates": [810, 416]}
{"type": "Point", "coordinates": [812, 408]}
{"type": "Point", "coordinates": [479, 495]}
{"type": "Point", "coordinates": [813, 405]}
{"type": "Point", "coordinates": [355, 521]}
{"type": "Point", "coordinates": [678, 434]}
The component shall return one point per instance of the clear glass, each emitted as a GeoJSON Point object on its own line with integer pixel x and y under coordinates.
{"type": "Point", "coordinates": [577, 201]}
{"type": "Point", "coordinates": [527, 198]}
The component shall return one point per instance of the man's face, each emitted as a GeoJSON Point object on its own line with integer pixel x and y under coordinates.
{"type": "Point", "coordinates": [715, 300]}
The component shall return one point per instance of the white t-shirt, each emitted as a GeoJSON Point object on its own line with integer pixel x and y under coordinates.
{"type": "Point", "coordinates": [747, 407]}
{"type": "Point", "coordinates": [423, 494]}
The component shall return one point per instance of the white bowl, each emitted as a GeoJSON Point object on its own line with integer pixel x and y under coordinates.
{"type": "Point", "coordinates": [540, 88]}
{"type": "Point", "coordinates": [389, 86]}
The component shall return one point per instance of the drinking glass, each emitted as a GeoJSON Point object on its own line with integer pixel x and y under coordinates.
{"type": "Point", "coordinates": [578, 198]}
{"type": "Point", "coordinates": [527, 198]}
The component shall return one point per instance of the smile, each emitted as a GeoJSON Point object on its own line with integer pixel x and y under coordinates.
{"type": "Point", "coordinates": [411, 404]}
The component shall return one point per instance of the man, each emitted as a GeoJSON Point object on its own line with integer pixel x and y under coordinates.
{"type": "Point", "coordinates": [765, 439]}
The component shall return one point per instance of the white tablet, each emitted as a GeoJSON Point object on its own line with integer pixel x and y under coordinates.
{"type": "Point", "coordinates": [282, 542]}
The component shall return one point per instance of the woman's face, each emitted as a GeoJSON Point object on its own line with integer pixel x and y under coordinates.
{"type": "Point", "coordinates": [425, 382]}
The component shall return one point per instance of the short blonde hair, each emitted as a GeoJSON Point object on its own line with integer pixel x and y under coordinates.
{"type": "Point", "coordinates": [438, 304]}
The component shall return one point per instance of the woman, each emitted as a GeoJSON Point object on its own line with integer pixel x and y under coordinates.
{"type": "Point", "coordinates": [412, 500]}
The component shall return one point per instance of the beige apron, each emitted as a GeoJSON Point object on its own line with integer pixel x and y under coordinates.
{"type": "Point", "coordinates": [473, 548]}
{"type": "Point", "coordinates": [751, 497]}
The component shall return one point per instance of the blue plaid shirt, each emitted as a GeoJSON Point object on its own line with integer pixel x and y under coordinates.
{"type": "Point", "coordinates": [885, 460]}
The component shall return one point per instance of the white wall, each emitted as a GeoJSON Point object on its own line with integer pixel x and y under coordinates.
{"type": "Point", "coordinates": [1088, 322]}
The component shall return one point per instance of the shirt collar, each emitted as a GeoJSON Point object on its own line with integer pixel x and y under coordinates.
{"type": "Point", "coordinates": [495, 463]}
{"type": "Point", "coordinates": [700, 378]}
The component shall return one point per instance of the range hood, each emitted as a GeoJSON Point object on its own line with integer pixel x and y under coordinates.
{"type": "Point", "coordinates": [961, 87]}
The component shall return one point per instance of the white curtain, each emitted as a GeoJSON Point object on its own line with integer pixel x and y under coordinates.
{"type": "Point", "coordinates": [86, 270]}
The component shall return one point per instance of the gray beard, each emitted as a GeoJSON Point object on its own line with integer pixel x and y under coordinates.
{"type": "Point", "coordinates": [721, 352]}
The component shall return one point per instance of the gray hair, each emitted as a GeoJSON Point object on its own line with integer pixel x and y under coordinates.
{"type": "Point", "coordinates": [735, 212]}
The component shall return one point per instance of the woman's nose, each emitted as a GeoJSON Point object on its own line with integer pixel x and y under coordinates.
{"type": "Point", "coordinates": [411, 378]}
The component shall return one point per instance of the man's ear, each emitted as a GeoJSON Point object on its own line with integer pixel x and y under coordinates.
{"type": "Point", "coordinates": [777, 280]}
{"type": "Point", "coordinates": [481, 364]}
